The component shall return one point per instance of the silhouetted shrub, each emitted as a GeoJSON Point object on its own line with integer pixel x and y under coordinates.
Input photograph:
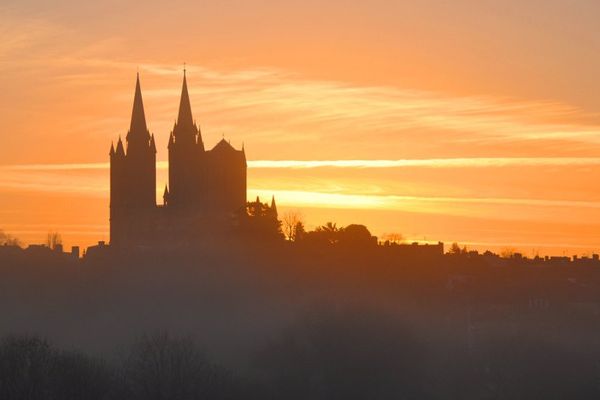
{"type": "Point", "coordinates": [77, 376]}
{"type": "Point", "coordinates": [8, 240]}
{"type": "Point", "coordinates": [344, 355]}
{"type": "Point", "coordinates": [355, 235]}
{"type": "Point", "coordinates": [31, 369]}
{"type": "Point", "coordinates": [533, 368]}
{"type": "Point", "coordinates": [26, 365]}
{"type": "Point", "coordinates": [159, 367]}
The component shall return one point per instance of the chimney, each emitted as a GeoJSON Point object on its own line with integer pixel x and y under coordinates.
{"type": "Point", "coordinates": [75, 251]}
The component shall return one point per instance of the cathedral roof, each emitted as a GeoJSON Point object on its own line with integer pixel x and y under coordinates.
{"type": "Point", "coordinates": [224, 150]}
{"type": "Point", "coordinates": [223, 145]}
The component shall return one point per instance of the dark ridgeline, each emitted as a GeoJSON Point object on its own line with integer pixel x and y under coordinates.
{"type": "Point", "coordinates": [327, 314]}
{"type": "Point", "coordinates": [206, 191]}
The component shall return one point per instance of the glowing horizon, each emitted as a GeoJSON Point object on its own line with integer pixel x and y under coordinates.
{"type": "Point", "coordinates": [455, 122]}
{"type": "Point", "coordinates": [309, 164]}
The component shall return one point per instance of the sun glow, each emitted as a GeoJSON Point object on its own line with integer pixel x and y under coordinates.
{"type": "Point", "coordinates": [481, 162]}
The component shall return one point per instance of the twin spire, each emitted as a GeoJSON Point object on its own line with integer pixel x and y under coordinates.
{"type": "Point", "coordinates": [184, 118]}
{"type": "Point", "coordinates": [185, 130]}
{"type": "Point", "coordinates": [120, 150]}
{"type": "Point", "coordinates": [138, 129]}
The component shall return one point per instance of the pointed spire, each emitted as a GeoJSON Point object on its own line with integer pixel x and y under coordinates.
{"type": "Point", "coordinates": [171, 140]}
{"type": "Point", "coordinates": [243, 156]}
{"type": "Point", "coordinates": [166, 195]}
{"type": "Point", "coordinates": [138, 126]}
{"type": "Point", "coordinates": [112, 149]}
{"type": "Point", "coordinates": [120, 150]}
{"type": "Point", "coordinates": [199, 141]}
{"type": "Point", "coordinates": [184, 118]}
{"type": "Point", "coordinates": [152, 144]}
{"type": "Point", "coordinates": [273, 205]}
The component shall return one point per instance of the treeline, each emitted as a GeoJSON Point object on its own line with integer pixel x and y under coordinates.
{"type": "Point", "coordinates": [294, 322]}
{"type": "Point", "coordinates": [260, 222]}
{"type": "Point", "coordinates": [154, 367]}
{"type": "Point", "coordinates": [324, 358]}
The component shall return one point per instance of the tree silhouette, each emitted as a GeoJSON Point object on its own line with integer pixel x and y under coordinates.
{"type": "Point", "coordinates": [507, 252]}
{"type": "Point", "coordinates": [330, 227]}
{"type": "Point", "coordinates": [258, 220]}
{"type": "Point", "coordinates": [32, 369]}
{"type": "Point", "coordinates": [356, 235]}
{"type": "Point", "coordinates": [291, 222]}
{"type": "Point", "coordinates": [53, 240]}
{"type": "Point", "coordinates": [160, 367]}
{"type": "Point", "coordinates": [344, 355]}
{"type": "Point", "coordinates": [393, 237]}
{"type": "Point", "coordinates": [8, 240]}
{"type": "Point", "coordinates": [455, 249]}
{"type": "Point", "coordinates": [299, 231]}
{"type": "Point", "coordinates": [329, 231]}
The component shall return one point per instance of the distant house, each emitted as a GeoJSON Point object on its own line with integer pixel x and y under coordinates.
{"type": "Point", "coordinates": [416, 250]}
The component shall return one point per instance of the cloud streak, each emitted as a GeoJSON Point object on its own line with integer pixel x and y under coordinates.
{"type": "Point", "coordinates": [278, 106]}
{"type": "Point", "coordinates": [428, 163]}
{"type": "Point", "coordinates": [342, 107]}
{"type": "Point", "coordinates": [462, 162]}
{"type": "Point", "coordinates": [316, 194]}
{"type": "Point", "coordinates": [412, 203]}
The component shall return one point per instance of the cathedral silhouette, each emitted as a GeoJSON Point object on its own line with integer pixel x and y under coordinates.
{"type": "Point", "coordinates": [206, 189]}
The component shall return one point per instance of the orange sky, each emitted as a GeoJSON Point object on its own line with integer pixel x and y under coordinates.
{"type": "Point", "coordinates": [453, 121]}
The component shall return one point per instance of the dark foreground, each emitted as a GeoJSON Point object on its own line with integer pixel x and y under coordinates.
{"type": "Point", "coordinates": [280, 322]}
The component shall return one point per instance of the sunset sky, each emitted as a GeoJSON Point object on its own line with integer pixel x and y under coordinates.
{"type": "Point", "coordinates": [475, 122]}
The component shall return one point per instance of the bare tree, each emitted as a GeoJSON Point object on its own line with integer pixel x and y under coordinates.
{"type": "Point", "coordinates": [334, 355]}
{"type": "Point", "coordinates": [456, 249]}
{"type": "Point", "coordinates": [53, 240]}
{"type": "Point", "coordinates": [394, 237]}
{"type": "Point", "coordinates": [507, 252]}
{"type": "Point", "coordinates": [160, 367]}
{"type": "Point", "coordinates": [30, 368]}
{"type": "Point", "coordinates": [292, 224]}
{"type": "Point", "coordinates": [299, 231]}
{"type": "Point", "coordinates": [8, 240]}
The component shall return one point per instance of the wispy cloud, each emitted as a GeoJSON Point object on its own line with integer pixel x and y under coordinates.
{"type": "Point", "coordinates": [429, 163]}
{"type": "Point", "coordinates": [370, 108]}
{"type": "Point", "coordinates": [409, 203]}
{"type": "Point", "coordinates": [353, 112]}
{"type": "Point", "coordinates": [268, 104]}
{"type": "Point", "coordinates": [19, 33]}
{"type": "Point", "coordinates": [85, 180]}
{"type": "Point", "coordinates": [492, 162]}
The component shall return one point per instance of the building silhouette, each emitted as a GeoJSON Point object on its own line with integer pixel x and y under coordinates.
{"type": "Point", "coordinates": [206, 189]}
